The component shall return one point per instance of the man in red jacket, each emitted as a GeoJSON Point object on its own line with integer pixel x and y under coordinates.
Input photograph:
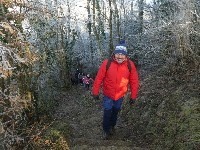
{"type": "Point", "coordinates": [115, 81]}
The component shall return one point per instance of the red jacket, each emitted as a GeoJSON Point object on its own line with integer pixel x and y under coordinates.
{"type": "Point", "coordinates": [115, 80]}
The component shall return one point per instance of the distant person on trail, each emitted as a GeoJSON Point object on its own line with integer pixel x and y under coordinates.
{"type": "Point", "coordinates": [76, 76]}
{"type": "Point", "coordinates": [115, 73]}
{"type": "Point", "coordinates": [80, 76]}
{"type": "Point", "coordinates": [83, 77]}
{"type": "Point", "coordinates": [87, 80]}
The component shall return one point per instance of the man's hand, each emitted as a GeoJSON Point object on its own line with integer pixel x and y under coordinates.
{"type": "Point", "coordinates": [131, 102]}
{"type": "Point", "coordinates": [96, 97]}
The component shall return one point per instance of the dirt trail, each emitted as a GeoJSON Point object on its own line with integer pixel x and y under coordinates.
{"type": "Point", "coordinates": [84, 115]}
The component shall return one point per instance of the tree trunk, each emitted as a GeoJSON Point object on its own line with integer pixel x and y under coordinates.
{"type": "Point", "coordinates": [111, 30]}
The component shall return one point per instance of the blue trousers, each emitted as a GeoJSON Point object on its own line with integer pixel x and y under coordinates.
{"type": "Point", "coordinates": [111, 110]}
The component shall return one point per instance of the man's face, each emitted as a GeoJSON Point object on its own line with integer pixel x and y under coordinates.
{"type": "Point", "coordinates": [119, 57]}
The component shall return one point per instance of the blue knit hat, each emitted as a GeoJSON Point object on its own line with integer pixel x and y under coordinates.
{"type": "Point", "coordinates": [121, 48]}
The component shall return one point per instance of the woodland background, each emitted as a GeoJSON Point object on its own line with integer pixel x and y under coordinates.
{"type": "Point", "coordinates": [43, 42]}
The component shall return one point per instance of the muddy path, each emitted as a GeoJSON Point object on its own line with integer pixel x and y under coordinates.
{"type": "Point", "coordinates": [84, 116]}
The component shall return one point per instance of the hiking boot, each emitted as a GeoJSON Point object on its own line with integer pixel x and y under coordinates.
{"type": "Point", "coordinates": [112, 131]}
{"type": "Point", "coordinates": [105, 136]}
